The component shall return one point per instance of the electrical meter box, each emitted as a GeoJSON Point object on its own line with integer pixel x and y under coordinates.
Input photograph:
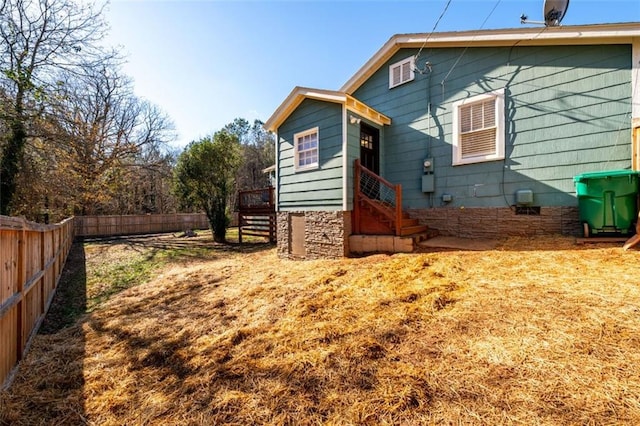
{"type": "Point", "coordinates": [428, 179]}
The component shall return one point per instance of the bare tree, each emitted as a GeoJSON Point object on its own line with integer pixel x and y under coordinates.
{"type": "Point", "coordinates": [38, 39]}
{"type": "Point", "coordinates": [108, 138]}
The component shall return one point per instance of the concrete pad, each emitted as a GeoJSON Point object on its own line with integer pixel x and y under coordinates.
{"type": "Point", "coordinates": [597, 240]}
{"type": "Point", "coordinates": [458, 243]}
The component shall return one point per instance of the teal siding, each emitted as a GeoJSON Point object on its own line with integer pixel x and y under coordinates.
{"type": "Point", "coordinates": [319, 189]}
{"type": "Point", "coordinates": [567, 112]}
{"type": "Point", "coordinates": [353, 152]}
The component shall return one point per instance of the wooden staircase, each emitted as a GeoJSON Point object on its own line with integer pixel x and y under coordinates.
{"type": "Point", "coordinates": [378, 207]}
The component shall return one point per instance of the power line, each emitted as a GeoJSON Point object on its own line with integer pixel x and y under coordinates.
{"type": "Point", "coordinates": [466, 48]}
{"type": "Point", "coordinates": [446, 7]}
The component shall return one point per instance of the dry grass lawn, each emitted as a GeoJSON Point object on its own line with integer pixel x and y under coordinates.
{"type": "Point", "coordinates": [537, 332]}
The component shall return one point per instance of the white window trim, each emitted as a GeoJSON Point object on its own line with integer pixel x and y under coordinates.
{"type": "Point", "coordinates": [412, 65]}
{"type": "Point", "coordinates": [498, 96]}
{"type": "Point", "coordinates": [296, 136]}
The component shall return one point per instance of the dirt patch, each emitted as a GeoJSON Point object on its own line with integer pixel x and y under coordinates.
{"type": "Point", "coordinates": [456, 243]}
{"type": "Point", "coordinates": [536, 331]}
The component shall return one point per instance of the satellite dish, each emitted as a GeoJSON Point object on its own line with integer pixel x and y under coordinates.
{"type": "Point", "coordinates": [553, 12]}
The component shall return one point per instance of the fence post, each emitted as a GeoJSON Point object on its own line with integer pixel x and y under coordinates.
{"type": "Point", "coordinates": [22, 278]}
{"type": "Point", "coordinates": [43, 263]}
{"type": "Point", "coordinates": [273, 223]}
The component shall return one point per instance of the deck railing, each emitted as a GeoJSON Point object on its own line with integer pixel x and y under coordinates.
{"type": "Point", "coordinates": [378, 193]}
{"type": "Point", "coordinates": [257, 213]}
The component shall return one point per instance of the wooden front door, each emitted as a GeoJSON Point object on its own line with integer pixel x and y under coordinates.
{"type": "Point", "coordinates": [370, 148]}
{"type": "Point", "coordinates": [370, 158]}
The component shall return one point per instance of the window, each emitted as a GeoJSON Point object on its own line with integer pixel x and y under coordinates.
{"type": "Point", "coordinates": [366, 140]}
{"type": "Point", "coordinates": [478, 124]}
{"type": "Point", "coordinates": [401, 72]}
{"type": "Point", "coordinates": [306, 149]}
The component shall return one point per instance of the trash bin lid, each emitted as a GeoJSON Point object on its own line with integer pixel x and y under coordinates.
{"type": "Point", "coordinates": [604, 175]}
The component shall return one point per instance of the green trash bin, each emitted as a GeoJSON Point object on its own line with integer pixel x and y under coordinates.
{"type": "Point", "coordinates": [607, 202]}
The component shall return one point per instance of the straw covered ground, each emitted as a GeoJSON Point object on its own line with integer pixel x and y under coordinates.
{"type": "Point", "coordinates": [538, 332]}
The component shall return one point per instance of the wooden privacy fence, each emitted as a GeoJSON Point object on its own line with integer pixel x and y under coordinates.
{"type": "Point", "coordinates": [32, 257]}
{"type": "Point", "coordinates": [31, 260]}
{"type": "Point", "coordinates": [101, 226]}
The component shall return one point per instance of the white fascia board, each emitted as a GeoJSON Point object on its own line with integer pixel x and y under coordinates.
{"type": "Point", "coordinates": [297, 95]}
{"type": "Point", "coordinates": [536, 36]}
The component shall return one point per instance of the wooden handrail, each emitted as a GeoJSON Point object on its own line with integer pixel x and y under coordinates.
{"type": "Point", "coordinates": [375, 176]}
{"type": "Point", "coordinates": [392, 212]}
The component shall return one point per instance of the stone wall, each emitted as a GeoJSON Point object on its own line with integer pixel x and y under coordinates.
{"type": "Point", "coordinates": [499, 222]}
{"type": "Point", "coordinates": [282, 231]}
{"type": "Point", "coordinates": [326, 234]}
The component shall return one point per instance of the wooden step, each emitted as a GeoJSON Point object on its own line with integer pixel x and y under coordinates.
{"type": "Point", "coordinates": [410, 230]}
{"type": "Point", "coordinates": [409, 222]}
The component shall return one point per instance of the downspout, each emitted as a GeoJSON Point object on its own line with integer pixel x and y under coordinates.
{"type": "Point", "coordinates": [429, 118]}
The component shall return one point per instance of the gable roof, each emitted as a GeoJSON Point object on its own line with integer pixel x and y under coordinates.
{"type": "Point", "coordinates": [526, 36]}
{"type": "Point", "coordinates": [299, 94]}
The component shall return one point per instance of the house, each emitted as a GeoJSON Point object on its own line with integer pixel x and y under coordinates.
{"type": "Point", "coordinates": [481, 132]}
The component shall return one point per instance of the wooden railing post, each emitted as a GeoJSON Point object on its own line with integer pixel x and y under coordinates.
{"type": "Point", "coordinates": [272, 228]}
{"type": "Point", "coordinates": [398, 224]}
{"type": "Point", "coordinates": [356, 197]}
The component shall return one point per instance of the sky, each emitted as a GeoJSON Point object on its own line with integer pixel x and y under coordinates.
{"type": "Point", "coordinates": [208, 62]}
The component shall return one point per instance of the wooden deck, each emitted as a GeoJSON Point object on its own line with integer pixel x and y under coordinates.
{"type": "Point", "coordinates": [257, 213]}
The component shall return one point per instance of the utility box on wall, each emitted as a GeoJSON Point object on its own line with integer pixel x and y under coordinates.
{"type": "Point", "coordinates": [524, 197]}
{"type": "Point", "coordinates": [428, 179]}
{"type": "Point", "coordinates": [428, 183]}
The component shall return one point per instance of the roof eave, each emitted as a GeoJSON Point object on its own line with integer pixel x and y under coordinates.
{"type": "Point", "coordinates": [298, 94]}
{"type": "Point", "coordinates": [526, 36]}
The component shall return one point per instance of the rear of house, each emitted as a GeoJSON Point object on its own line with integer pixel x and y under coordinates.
{"type": "Point", "coordinates": [483, 131]}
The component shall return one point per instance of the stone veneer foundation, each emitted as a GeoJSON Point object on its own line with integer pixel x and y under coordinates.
{"type": "Point", "coordinates": [499, 222]}
{"type": "Point", "coordinates": [326, 234]}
